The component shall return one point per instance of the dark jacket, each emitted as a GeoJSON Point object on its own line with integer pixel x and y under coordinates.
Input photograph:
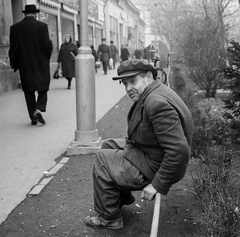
{"type": "Point", "coordinates": [125, 54]}
{"type": "Point", "coordinates": [94, 53]}
{"type": "Point", "coordinates": [66, 57]}
{"type": "Point", "coordinates": [160, 129]}
{"type": "Point", "coordinates": [138, 54]}
{"type": "Point", "coordinates": [103, 52]}
{"type": "Point", "coordinates": [34, 49]}
{"type": "Point", "coordinates": [113, 52]}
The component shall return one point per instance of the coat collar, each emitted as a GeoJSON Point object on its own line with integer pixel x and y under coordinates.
{"type": "Point", "coordinates": [29, 18]}
{"type": "Point", "coordinates": [135, 112]}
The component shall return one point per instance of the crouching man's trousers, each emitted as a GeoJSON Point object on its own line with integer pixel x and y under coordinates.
{"type": "Point", "coordinates": [114, 177]}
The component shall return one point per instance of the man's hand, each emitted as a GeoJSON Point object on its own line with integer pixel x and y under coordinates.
{"type": "Point", "coordinates": [148, 193]}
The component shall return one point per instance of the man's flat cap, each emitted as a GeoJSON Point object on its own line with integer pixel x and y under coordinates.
{"type": "Point", "coordinates": [133, 67]}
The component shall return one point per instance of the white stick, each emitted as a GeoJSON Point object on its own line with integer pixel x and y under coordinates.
{"type": "Point", "coordinates": [156, 214]}
{"type": "Point", "coordinates": [73, 54]}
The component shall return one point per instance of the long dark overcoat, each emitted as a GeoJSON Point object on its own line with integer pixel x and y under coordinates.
{"type": "Point", "coordinates": [103, 52]}
{"type": "Point", "coordinates": [65, 56]}
{"type": "Point", "coordinates": [31, 37]}
{"type": "Point", "coordinates": [113, 52]}
{"type": "Point", "coordinates": [125, 54]}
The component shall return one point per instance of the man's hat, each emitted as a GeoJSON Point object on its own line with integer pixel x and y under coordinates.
{"type": "Point", "coordinates": [133, 67]}
{"type": "Point", "coordinates": [30, 8]}
{"type": "Point", "coordinates": [103, 39]}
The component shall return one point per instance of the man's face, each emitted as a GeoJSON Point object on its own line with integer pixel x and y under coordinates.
{"type": "Point", "coordinates": [135, 86]}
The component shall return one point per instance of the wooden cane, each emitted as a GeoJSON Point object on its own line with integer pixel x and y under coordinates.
{"type": "Point", "coordinates": [156, 214]}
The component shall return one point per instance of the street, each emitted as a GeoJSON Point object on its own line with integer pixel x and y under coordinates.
{"type": "Point", "coordinates": [27, 151]}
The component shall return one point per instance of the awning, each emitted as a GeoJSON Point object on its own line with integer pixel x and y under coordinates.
{"type": "Point", "coordinates": [51, 3]}
{"type": "Point", "coordinates": [70, 10]}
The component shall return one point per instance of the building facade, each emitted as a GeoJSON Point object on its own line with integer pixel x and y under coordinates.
{"type": "Point", "coordinates": [116, 20]}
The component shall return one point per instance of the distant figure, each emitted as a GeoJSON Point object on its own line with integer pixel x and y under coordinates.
{"type": "Point", "coordinates": [94, 53]}
{"type": "Point", "coordinates": [113, 53]}
{"type": "Point", "coordinates": [31, 49]}
{"type": "Point", "coordinates": [138, 54]}
{"type": "Point", "coordinates": [66, 57]}
{"type": "Point", "coordinates": [125, 55]}
{"type": "Point", "coordinates": [152, 52]}
{"type": "Point", "coordinates": [146, 54]}
{"type": "Point", "coordinates": [104, 54]}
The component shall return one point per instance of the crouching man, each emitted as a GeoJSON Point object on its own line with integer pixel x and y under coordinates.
{"type": "Point", "coordinates": [155, 154]}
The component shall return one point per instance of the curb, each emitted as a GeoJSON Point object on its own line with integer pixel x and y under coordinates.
{"type": "Point", "coordinates": [48, 175]}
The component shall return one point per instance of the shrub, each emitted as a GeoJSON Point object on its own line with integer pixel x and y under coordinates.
{"type": "Point", "coordinates": [217, 127]}
{"type": "Point", "coordinates": [179, 84]}
{"type": "Point", "coordinates": [216, 188]}
{"type": "Point", "coordinates": [232, 79]}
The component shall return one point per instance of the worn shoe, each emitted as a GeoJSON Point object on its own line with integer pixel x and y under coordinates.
{"type": "Point", "coordinates": [39, 117]}
{"type": "Point", "coordinates": [34, 121]}
{"type": "Point", "coordinates": [100, 223]}
{"type": "Point", "coordinates": [127, 200]}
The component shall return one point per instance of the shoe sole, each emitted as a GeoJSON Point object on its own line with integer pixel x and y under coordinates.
{"type": "Point", "coordinates": [90, 224]}
{"type": "Point", "coordinates": [40, 118]}
{"type": "Point", "coordinates": [105, 227]}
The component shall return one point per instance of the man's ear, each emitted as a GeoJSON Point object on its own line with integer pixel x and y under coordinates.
{"type": "Point", "coordinates": [149, 77]}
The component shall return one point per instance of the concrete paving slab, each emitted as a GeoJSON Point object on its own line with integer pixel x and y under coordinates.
{"type": "Point", "coordinates": [45, 181]}
{"type": "Point", "coordinates": [64, 160]}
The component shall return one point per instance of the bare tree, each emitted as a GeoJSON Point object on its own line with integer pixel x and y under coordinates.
{"type": "Point", "coordinates": [166, 15]}
{"type": "Point", "coordinates": [204, 44]}
{"type": "Point", "coordinates": [204, 53]}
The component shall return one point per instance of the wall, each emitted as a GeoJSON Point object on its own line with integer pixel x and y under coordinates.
{"type": "Point", "coordinates": [8, 81]}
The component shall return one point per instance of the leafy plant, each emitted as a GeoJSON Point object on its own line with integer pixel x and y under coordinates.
{"type": "Point", "coordinates": [232, 79]}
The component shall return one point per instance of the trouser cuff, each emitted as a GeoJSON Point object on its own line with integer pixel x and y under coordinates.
{"type": "Point", "coordinates": [108, 217]}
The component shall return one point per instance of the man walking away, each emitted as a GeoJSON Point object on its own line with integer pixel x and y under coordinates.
{"type": "Point", "coordinates": [125, 55]}
{"type": "Point", "coordinates": [104, 54]}
{"type": "Point", "coordinates": [30, 41]}
{"type": "Point", "coordinates": [113, 53]}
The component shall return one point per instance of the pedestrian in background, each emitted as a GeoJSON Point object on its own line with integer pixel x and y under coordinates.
{"type": "Point", "coordinates": [31, 46]}
{"type": "Point", "coordinates": [146, 54]}
{"type": "Point", "coordinates": [125, 55]}
{"type": "Point", "coordinates": [155, 154]}
{"type": "Point", "coordinates": [113, 53]}
{"type": "Point", "coordinates": [104, 54]}
{"type": "Point", "coordinates": [94, 53]}
{"type": "Point", "coordinates": [66, 57]}
{"type": "Point", "coordinates": [137, 54]}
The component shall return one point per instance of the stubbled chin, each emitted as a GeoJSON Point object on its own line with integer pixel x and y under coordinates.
{"type": "Point", "coordinates": [134, 98]}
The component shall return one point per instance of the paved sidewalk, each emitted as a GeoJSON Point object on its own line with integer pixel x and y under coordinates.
{"type": "Point", "coordinates": [26, 150]}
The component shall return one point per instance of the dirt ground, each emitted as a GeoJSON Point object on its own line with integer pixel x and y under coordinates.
{"type": "Point", "coordinates": [60, 209]}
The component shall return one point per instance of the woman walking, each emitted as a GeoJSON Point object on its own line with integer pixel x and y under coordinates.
{"type": "Point", "coordinates": [66, 57]}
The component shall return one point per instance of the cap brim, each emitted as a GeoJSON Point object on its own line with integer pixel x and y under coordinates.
{"type": "Point", "coordinates": [126, 74]}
